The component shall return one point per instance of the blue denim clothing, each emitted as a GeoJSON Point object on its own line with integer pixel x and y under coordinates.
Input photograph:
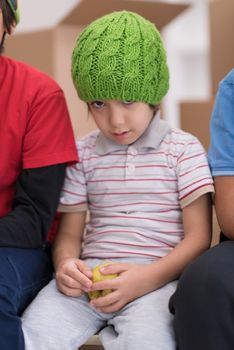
{"type": "Point", "coordinates": [221, 151]}
{"type": "Point", "coordinates": [203, 301]}
{"type": "Point", "coordinates": [23, 272]}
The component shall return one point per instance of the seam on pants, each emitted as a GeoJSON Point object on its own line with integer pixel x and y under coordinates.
{"type": "Point", "coordinates": [32, 285]}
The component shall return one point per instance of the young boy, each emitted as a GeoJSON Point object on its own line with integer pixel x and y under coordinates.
{"type": "Point", "coordinates": [147, 189]}
{"type": "Point", "coordinates": [36, 142]}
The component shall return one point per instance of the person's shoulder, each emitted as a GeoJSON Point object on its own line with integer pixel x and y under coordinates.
{"type": "Point", "coordinates": [225, 96]}
{"type": "Point", "coordinates": [178, 141]}
{"type": "Point", "coordinates": [228, 79]}
{"type": "Point", "coordinates": [32, 76]}
{"type": "Point", "coordinates": [181, 136]}
{"type": "Point", "coordinates": [88, 142]}
{"type": "Point", "coordinates": [86, 146]}
{"type": "Point", "coordinates": [42, 78]}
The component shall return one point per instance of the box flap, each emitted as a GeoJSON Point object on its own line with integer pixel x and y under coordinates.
{"type": "Point", "coordinates": [157, 12]}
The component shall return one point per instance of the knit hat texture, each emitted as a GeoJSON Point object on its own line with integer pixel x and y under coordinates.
{"type": "Point", "coordinates": [120, 56]}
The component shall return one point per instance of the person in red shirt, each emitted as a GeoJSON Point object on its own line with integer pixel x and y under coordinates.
{"type": "Point", "coordinates": [36, 144]}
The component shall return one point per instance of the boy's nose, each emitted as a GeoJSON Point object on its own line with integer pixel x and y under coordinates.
{"type": "Point", "coordinates": [116, 116]}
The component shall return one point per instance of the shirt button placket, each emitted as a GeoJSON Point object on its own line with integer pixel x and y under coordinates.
{"type": "Point", "coordinates": [130, 166]}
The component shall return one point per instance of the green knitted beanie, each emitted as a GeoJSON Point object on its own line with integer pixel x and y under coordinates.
{"type": "Point", "coordinates": [120, 56]}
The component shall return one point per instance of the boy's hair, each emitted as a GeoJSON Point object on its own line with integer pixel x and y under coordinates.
{"type": "Point", "coordinates": [120, 56]}
{"type": "Point", "coordinates": [10, 13]}
{"type": "Point", "coordinates": [13, 4]}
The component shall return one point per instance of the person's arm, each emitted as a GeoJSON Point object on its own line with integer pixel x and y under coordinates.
{"type": "Point", "coordinates": [72, 274]}
{"type": "Point", "coordinates": [224, 204]}
{"type": "Point", "coordinates": [197, 222]}
{"type": "Point", "coordinates": [221, 149]}
{"type": "Point", "coordinates": [136, 280]}
{"type": "Point", "coordinates": [33, 208]}
{"type": "Point", "coordinates": [221, 154]}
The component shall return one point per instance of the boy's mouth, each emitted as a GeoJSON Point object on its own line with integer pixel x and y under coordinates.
{"type": "Point", "coordinates": [122, 133]}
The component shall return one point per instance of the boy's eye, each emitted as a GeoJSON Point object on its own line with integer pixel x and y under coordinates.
{"type": "Point", "coordinates": [97, 104]}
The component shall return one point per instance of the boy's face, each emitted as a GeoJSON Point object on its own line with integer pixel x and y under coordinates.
{"type": "Point", "coordinates": [123, 122]}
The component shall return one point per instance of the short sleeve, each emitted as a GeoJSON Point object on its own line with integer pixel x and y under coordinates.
{"type": "Point", "coordinates": [221, 150]}
{"type": "Point", "coordinates": [193, 173]}
{"type": "Point", "coordinates": [49, 137]}
{"type": "Point", "coordinates": [73, 196]}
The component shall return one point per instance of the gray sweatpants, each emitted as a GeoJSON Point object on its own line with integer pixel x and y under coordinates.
{"type": "Point", "coordinates": [54, 321]}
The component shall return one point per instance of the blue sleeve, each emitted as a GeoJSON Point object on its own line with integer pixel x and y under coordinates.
{"type": "Point", "coordinates": [221, 150]}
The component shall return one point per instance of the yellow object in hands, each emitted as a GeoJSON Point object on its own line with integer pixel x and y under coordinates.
{"type": "Point", "coordinates": [97, 276]}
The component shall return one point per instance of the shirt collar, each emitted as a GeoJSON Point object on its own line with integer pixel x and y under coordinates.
{"type": "Point", "coordinates": [151, 138]}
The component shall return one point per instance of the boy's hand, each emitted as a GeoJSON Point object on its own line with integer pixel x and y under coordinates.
{"type": "Point", "coordinates": [73, 277]}
{"type": "Point", "coordinates": [97, 277]}
{"type": "Point", "coordinates": [130, 284]}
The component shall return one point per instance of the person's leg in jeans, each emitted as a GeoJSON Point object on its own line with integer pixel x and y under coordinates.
{"type": "Point", "coordinates": [23, 272]}
{"type": "Point", "coordinates": [203, 303]}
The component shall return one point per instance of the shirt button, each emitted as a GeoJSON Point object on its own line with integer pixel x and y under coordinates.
{"type": "Point", "coordinates": [132, 151]}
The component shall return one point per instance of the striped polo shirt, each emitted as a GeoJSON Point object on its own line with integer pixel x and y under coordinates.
{"type": "Point", "coordinates": [135, 193]}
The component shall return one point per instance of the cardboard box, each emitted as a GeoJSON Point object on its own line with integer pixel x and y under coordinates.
{"type": "Point", "coordinates": [195, 115]}
{"type": "Point", "coordinates": [161, 13]}
{"type": "Point", "coordinates": [50, 50]}
{"type": "Point", "coordinates": [221, 24]}
{"type": "Point", "coordinates": [195, 118]}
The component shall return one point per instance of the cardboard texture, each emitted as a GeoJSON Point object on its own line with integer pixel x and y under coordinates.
{"type": "Point", "coordinates": [36, 49]}
{"type": "Point", "coordinates": [93, 343]}
{"type": "Point", "coordinates": [50, 50]}
{"type": "Point", "coordinates": [155, 11]}
{"type": "Point", "coordinates": [221, 13]}
{"type": "Point", "coordinates": [195, 118]}
{"type": "Point", "coordinates": [216, 230]}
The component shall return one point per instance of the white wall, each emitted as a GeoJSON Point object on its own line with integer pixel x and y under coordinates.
{"type": "Point", "coordinates": [43, 14]}
{"type": "Point", "coordinates": [187, 42]}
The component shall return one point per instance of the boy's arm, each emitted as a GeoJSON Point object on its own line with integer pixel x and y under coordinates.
{"type": "Point", "coordinates": [197, 221]}
{"type": "Point", "coordinates": [224, 204]}
{"type": "Point", "coordinates": [72, 275]}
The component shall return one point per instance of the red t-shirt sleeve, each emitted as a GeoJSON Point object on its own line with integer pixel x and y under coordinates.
{"type": "Point", "coordinates": [49, 137]}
